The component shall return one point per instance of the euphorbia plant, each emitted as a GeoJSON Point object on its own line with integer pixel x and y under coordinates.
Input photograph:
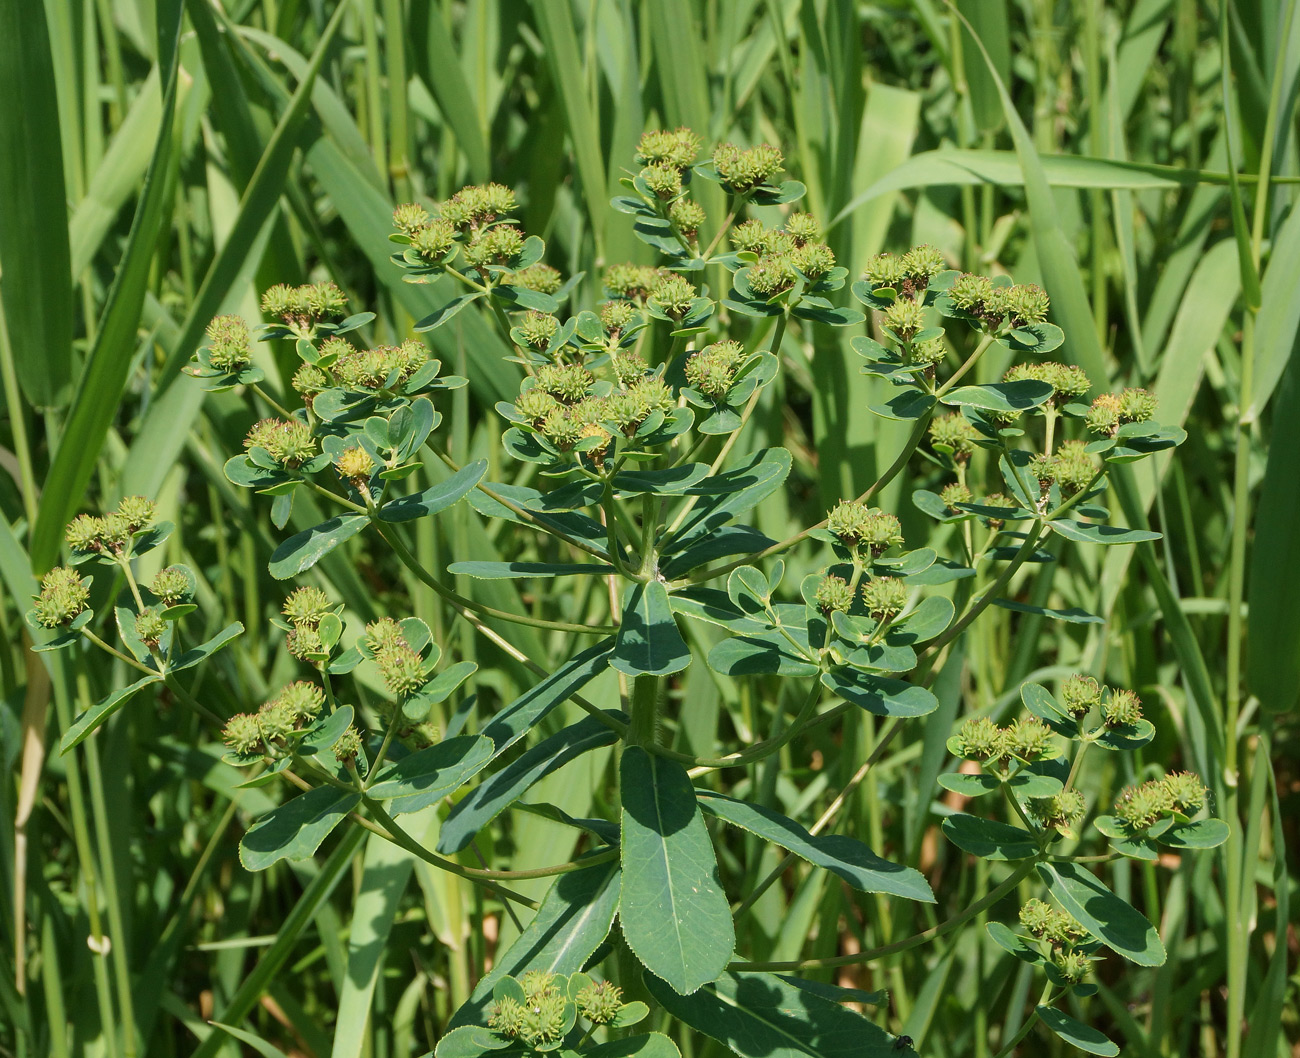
{"type": "Point", "coordinates": [628, 415]}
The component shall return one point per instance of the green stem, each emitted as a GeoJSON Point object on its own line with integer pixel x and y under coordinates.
{"type": "Point", "coordinates": [117, 653]}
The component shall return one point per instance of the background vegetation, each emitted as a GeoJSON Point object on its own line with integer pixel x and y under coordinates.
{"type": "Point", "coordinates": [160, 163]}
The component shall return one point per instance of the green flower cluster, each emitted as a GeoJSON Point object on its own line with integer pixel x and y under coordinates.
{"type": "Point", "coordinates": [884, 598]}
{"type": "Point", "coordinates": [907, 274]}
{"type": "Point", "coordinates": [289, 442]}
{"type": "Point", "coordinates": [784, 254]}
{"type": "Point", "coordinates": [740, 170]}
{"type": "Point", "coordinates": [1110, 411]}
{"type": "Point", "coordinates": [993, 304]}
{"type": "Point", "coordinates": [1064, 936]}
{"type": "Point", "coordinates": [1067, 381]}
{"type": "Point", "coordinates": [1176, 794]}
{"type": "Point", "coordinates": [271, 728]}
{"type": "Point", "coordinates": [383, 367]}
{"type": "Point", "coordinates": [64, 596]}
{"type": "Point", "coordinates": [955, 433]}
{"type": "Point", "coordinates": [89, 534]}
{"type": "Point", "coordinates": [471, 222]}
{"type": "Point", "coordinates": [712, 370]}
{"type": "Point", "coordinates": [1027, 739]}
{"type": "Point", "coordinates": [303, 306]}
{"type": "Point", "coordinates": [862, 529]}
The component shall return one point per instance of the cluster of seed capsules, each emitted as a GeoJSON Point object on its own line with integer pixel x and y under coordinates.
{"type": "Point", "coordinates": [540, 1009]}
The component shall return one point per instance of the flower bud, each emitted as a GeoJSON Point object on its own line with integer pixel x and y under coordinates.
{"type": "Point", "coordinates": [743, 170]}
{"type": "Point", "coordinates": [922, 263]}
{"type": "Point", "coordinates": [1060, 810]}
{"type": "Point", "coordinates": [813, 259]}
{"type": "Point", "coordinates": [673, 295]}
{"type": "Point", "coordinates": [678, 147]}
{"type": "Point", "coordinates": [884, 597]}
{"type": "Point", "coordinates": [384, 634]}
{"type": "Point", "coordinates": [170, 585]}
{"type": "Point", "coordinates": [229, 344]}
{"type": "Point", "coordinates": [688, 216]}
{"type": "Point", "coordinates": [538, 328]}
{"type": "Point", "coordinates": [834, 594]}
{"type": "Point", "coordinates": [1045, 922]}
{"type": "Point", "coordinates": [1028, 738]}
{"type": "Point", "coordinates": [1138, 807]}
{"type": "Point", "coordinates": [136, 513]}
{"type": "Point", "coordinates": [85, 533]}
{"type": "Point", "coordinates": [410, 218]}
{"type": "Point", "coordinates": [1025, 304]}
{"type": "Point", "coordinates": [1103, 416]}
{"type": "Point", "coordinates": [64, 596]}
{"type": "Point", "coordinates": [534, 405]}
{"type": "Point", "coordinates": [1136, 405]}
{"type": "Point", "coordinates": [615, 316]}
{"type": "Point", "coordinates": [1073, 965]}
{"type": "Point", "coordinates": [1080, 695]}
{"type": "Point", "coordinates": [772, 274]}
{"type": "Point", "coordinates": [434, 241]}
{"type": "Point", "coordinates": [860, 527]}
{"type": "Point", "coordinates": [562, 429]}
{"type": "Point", "coordinates": [355, 465]}
{"type": "Point", "coordinates": [305, 607]}
{"type": "Point", "coordinates": [663, 179]}
{"type": "Point", "coordinates": [802, 228]}
{"type": "Point", "coordinates": [304, 700]}
{"type": "Point", "coordinates": [242, 733]}
{"type": "Point", "coordinates": [905, 318]}
{"type": "Point", "coordinates": [1186, 791]}
{"type": "Point", "coordinates": [540, 277]}
{"type": "Point", "coordinates": [954, 494]}
{"type": "Point", "coordinates": [750, 236]}
{"type": "Point", "coordinates": [630, 281]}
{"type": "Point", "coordinates": [565, 382]}
{"type": "Point", "coordinates": [956, 432]}
{"type": "Point", "coordinates": [981, 739]}
{"type": "Point", "coordinates": [303, 642]}
{"type": "Point", "coordinates": [500, 244]}
{"type": "Point", "coordinates": [150, 626]}
{"type": "Point", "coordinates": [885, 270]}
{"type": "Point", "coordinates": [347, 746]}
{"type": "Point", "coordinates": [1122, 709]}
{"type": "Point", "coordinates": [600, 1002]}
{"type": "Point", "coordinates": [309, 380]}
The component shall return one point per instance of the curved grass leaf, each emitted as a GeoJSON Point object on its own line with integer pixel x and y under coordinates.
{"type": "Point", "coordinates": [674, 914]}
{"type": "Point", "coordinates": [429, 775]}
{"type": "Point", "coordinates": [1074, 614]}
{"type": "Point", "coordinates": [436, 498]}
{"type": "Point", "coordinates": [571, 924]}
{"type": "Point", "coordinates": [477, 809]}
{"type": "Point", "coordinates": [760, 1015]}
{"type": "Point", "coordinates": [295, 830]}
{"type": "Point", "coordinates": [649, 642]}
{"type": "Point", "coordinates": [84, 724]}
{"type": "Point", "coordinates": [846, 857]}
{"type": "Point", "coordinates": [303, 550]}
{"type": "Point", "coordinates": [1103, 914]}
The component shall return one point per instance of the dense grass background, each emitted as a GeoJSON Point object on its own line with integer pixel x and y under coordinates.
{"type": "Point", "coordinates": [160, 163]}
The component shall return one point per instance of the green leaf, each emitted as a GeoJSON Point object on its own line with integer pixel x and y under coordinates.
{"type": "Point", "coordinates": [199, 653]}
{"type": "Point", "coordinates": [760, 1015]}
{"type": "Point", "coordinates": [1001, 396]}
{"type": "Point", "coordinates": [437, 690]}
{"type": "Point", "coordinates": [846, 857]}
{"type": "Point", "coordinates": [84, 724]}
{"type": "Point", "coordinates": [969, 785]}
{"type": "Point", "coordinates": [571, 924]}
{"type": "Point", "coordinates": [1273, 662]}
{"type": "Point", "coordinates": [731, 494]}
{"type": "Point", "coordinates": [1196, 834]}
{"type": "Point", "coordinates": [295, 830]}
{"type": "Point", "coordinates": [471, 1041]}
{"type": "Point", "coordinates": [649, 642]}
{"type": "Point", "coordinates": [442, 315]}
{"type": "Point", "coordinates": [303, 550]}
{"type": "Point", "coordinates": [483, 804]}
{"type": "Point", "coordinates": [760, 654]}
{"type": "Point", "coordinates": [256, 1042]}
{"type": "Point", "coordinates": [516, 719]}
{"type": "Point", "coordinates": [931, 618]}
{"type": "Point", "coordinates": [1074, 615]}
{"type": "Point", "coordinates": [646, 1045]}
{"type": "Point", "coordinates": [1121, 927]}
{"type": "Point", "coordinates": [1076, 1033]}
{"type": "Point", "coordinates": [37, 287]}
{"type": "Point", "coordinates": [671, 481]}
{"type": "Point", "coordinates": [1091, 533]}
{"type": "Point", "coordinates": [878, 694]}
{"type": "Point", "coordinates": [1010, 941]}
{"type": "Point", "coordinates": [515, 570]}
{"type": "Point", "coordinates": [436, 498]}
{"type": "Point", "coordinates": [674, 914]}
{"type": "Point", "coordinates": [989, 839]}
{"type": "Point", "coordinates": [108, 363]}
{"type": "Point", "coordinates": [428, 775]}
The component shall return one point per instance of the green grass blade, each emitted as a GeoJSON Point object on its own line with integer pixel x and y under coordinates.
{"type": "Point", "coordinates": [37, 285]}
{"type": "Point", "coordinates": [100, 386]}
